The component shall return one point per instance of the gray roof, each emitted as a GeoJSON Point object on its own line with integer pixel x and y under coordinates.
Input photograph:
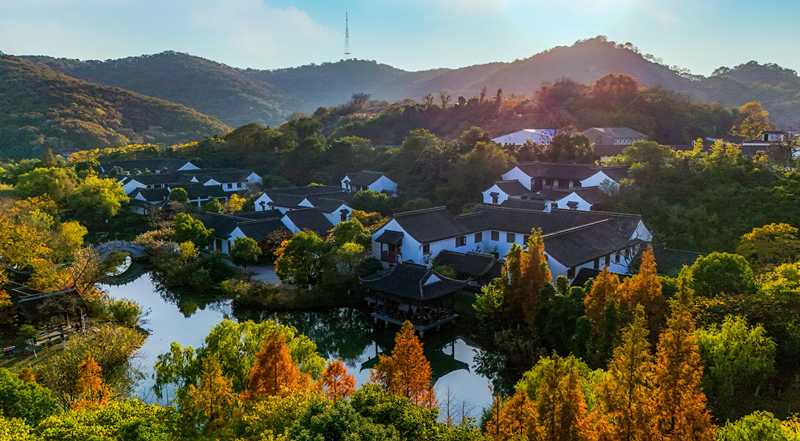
{"type": "Point", "coordinates": [524, 204]}
{"type": "Point", "coordinates": [471, 263]}
{"type": "Point", "coordinates": [200, 191]}
{"type": "Point", "coordinates": [222, 224]}
{"type": "Point", "coordinates": [310, 219]}
{"type": "Point", "coordinates": [407, 280]}
{"type": "Point", "coordinates": [260, 229]}
{"type": "Point", "coordinates": [586, 243]}
{"type": "Point", "coordinates": [512, 188]}
{"type": "Point", "coordinates": [591, 195]}
{"type": "Point", "coordinates": [145, 164]}
{"type": "Point", "coordinates": [550, 170]}
{"type": "Point", "coordinates": [364, 177]}
{"type": "Point", "coordinates": [254, 224]}
{"type": "Point", "coordinates": [618, 132]}
{"type": "Point", "coordinates": [151, 194]}
{"type": "Point", "coordinates": [221, 175]}
{"type": "Point", "coordinates": [311, 190]}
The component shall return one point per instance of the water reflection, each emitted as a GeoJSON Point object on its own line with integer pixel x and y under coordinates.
{"type": "Point", "coordinates": [345, 333]}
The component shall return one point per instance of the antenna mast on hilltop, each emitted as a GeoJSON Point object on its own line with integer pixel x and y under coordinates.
{"type": "Point", "coordinates": [346, 37]}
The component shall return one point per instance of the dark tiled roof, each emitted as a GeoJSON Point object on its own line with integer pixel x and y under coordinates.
{"type": "Point", "coordinates": [145, 164]}
{"type": "Point", "coordinates": [256, 215]}
{"type": "Point", "coordinates": [162, 178]}
{"type": "Point", "coordinates": [430, 224]}
{"type": "Point", "coordinates": [471, 263]}
{"type": "Point", "coordinates": [221, 175]}
{"type": "Point", "coordinates": [584, 274]}
{"type": "Point", "coordinates": [408, 280]}
{"type": "Point", "coordinates": [285, 200]}
{"type": "Point", "coordinates": [364, 177]}
{"type": "Point", "coordinates": [512, 188]}
{"type": "Point", "coordinates": [200, 191]}
{"type": "Point", "coordinates": [222, 224]}
{"type": "Point", "coordinates": [327, 205]}
{"type": "Point", "coordinates": [310, 219]}
{"type": "Point", "coordinates": [551, 170]}
{"type": "Point", "coordinates": [311, 190]}
{"type": "Point", "coordinates": [671, 261]}
{"type": "Point", "coordinates": [390, 237]}
{"type": "Point", "coordinates": [589, 194]}
{"type": "Point", "coordinates": [151, 194]}
{"type": "Point", "coordinates": [260, 229]}
{"type": "Point", "coordinates": [618, 132]}
{"type": "Point", "coordinates": [585, 243]}
{"type": "Point", "coordinates": [524, 204]}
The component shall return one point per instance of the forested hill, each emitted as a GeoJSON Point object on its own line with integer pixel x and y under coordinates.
{"type": "Point", "coordinates": [206, 86]}
{"type": "Point", "coordinates": [237, 96]}
{"type": "Point", "coordinates": [41, 108]}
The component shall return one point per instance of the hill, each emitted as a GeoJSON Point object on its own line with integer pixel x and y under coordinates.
{"type": "Point", "coordinates": [209, 87]}
{"type": "Point", "coordinates": [237, 96]}
{"type": "Point", "coordinates": [41, 108]}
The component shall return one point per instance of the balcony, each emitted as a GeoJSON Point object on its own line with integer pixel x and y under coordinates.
{"type": "Point", "coordinates": [389, 257]}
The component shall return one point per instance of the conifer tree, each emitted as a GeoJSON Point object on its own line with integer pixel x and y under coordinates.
{"type": "Point", "coordinates": [626, 394]}
{"type": "Point", "coordinates": [526, 272]}
{"type": "Point", "coordinates": [603, 289]}
{"type": "Point", "coordinates": [213, 398]}
{"type": "Point", "coordinates": [338, 383]}
{"type": "Point", "coordinates": [407, 373]}
{"type": "Point", "coordinates": [513, 419]}
{"type": "Point", "coordinates": [644, 289]}
{"type": "Point", "coordinates": [560, 406]}
{"type": "Point", "coordinates": [274, 373]}
{"type": "Point", "coordinates": [679, 404]}
{"type": "Point", "coordinates": [92, 391]}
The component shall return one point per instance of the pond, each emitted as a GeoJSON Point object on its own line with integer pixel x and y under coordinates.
{"type": "Point", "coordinates": [346, 333]}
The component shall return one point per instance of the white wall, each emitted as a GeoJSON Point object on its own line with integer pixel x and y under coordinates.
{"type": "Point", "coordinates": [596, 179]}
{"type": "Point", "coordinates": [515, 174]}
{"type": "Point", "coordinates": [132, 185]}
{"type": "Point", "coordinates": [189, 166]}
{"type": "Point", "coordinates": [572, 197]}
{"type": "Point", "coordinates": [265, 199]}
{"type": "Point", "coordinates": [383, 183]}
{"type": "Point", "coordinates": [336, 216]}
{"type": "Point", "coordinates": [501, 195]}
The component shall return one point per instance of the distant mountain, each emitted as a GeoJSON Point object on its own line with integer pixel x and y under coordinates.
{"type": "Point", "coordinates": [237, 96]}
{"type": "Point", "coordinates": [209, 87]}
{"type": "Point", "coordinates": [41, 108]}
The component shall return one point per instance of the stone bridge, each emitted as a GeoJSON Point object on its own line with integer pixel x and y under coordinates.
{"type": "Point", "coordinates": [106, 248]}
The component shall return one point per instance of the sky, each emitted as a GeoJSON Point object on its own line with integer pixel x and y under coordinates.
{"type": "Point", "coordinates": [701, 35]}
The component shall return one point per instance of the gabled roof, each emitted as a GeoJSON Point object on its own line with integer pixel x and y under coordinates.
{"type": "Point", "coordinates": [618, 132]}
{"type": "Point", "coordinates": [311, 190]}
{"type": "Point", "coordinates": [151, 194]}
{"type": "Point", "coordinates": [550, 170]}
{"type": "Point", "coordinates": [284, 200]}
{"type": "Point", "coordinates": [524, 204]}
{"type": "Point", "coordinates": [584, 274]}
{"type": "Point", "coordinates": [145, 164]}
{"type": "Point", "coordinates": [256, 215]}
{"type": "Point", "coordinates": [411, 281]}
{"type": "Point", "coordinates": [390, 237]}
{"type": "Point", "coordinates": [585, 243]}
{"type": "Point", "coordinates": [200, 191]}
{"type": "Point", "coordinates": [310, 219]}
{"type": "Point", "coordinates": [161, 178]}
{"type": "Point", "coordinates": [591, 195]}
{"type": "Point", "coordinates": [512, 188]}
{"type": "Point", "coordinates": [430, 224]}
{"type": "Point", "coordinates": [221, 175]}
{"type": "Point", "coordinates": [471, 263]}
{"type": "Point", "coordinates": [260, 229]}
{"type": "Point", "coordinates": [364, 177]}
{"type": "Point", "coordinates": [222, 224]}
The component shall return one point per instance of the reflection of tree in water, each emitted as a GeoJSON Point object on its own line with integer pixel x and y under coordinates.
{"type": "Point", "coordinates": [342, 333]}
{"type": "Point", "coordinates": [188, 300]}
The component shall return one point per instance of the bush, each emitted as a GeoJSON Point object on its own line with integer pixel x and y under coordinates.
{"type": "Point", "coordinates": [27, 401]}
{"type": "Point", "coordinates": [250, 292]}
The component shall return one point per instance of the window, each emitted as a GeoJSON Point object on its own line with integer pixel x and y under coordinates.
{"type": "Point", "coordinates": [343, 216]}
{"type": "Point", "coordinates": [240, 185]}
{"type": "Point", "coordinates": [461, 241]}
{"type": "Point", "coordinates": [616, 257]}
{"type": "Point", "coordinates": [495, 198]}
{"type": "Point", "coordinates": [511, 237]}
{"type": "Point", "coordinates": [596, 264]}
{"type": "Point", "coordinates": [571, 273]}
{"type": "Point", "coordinates": [577, 184]}
{"type": "Point", "coordinates": [495, 236]}
{"type": "Point", "coordinates": [426, 248]}
{"type": "Point", "coordinates": [478, 238]}
{"type": "Point", "coordinates": [525, 239]}
{"type": "Point", "coordinates": [608, 260]}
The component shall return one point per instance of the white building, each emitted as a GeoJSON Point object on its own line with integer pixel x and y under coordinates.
{"type": "Point", "coordinates": [368, 180]}
{"type": "Point", "coordinates": [539, 136]}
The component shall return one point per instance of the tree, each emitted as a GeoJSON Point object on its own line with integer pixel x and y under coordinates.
{"type": "Point", "coordinates": [213, 206]}
{"type": "Point", "coordinates": [525, 274]}
{"type": "Point", "coordinates": [514, 418]}
{"type": "Point", "coordinates": [92, 391]}
{"type": "Point", "coordinates": [213, 398]}
{"type": "Point", "coordinates": [338, 383]}
{"type": "Point", "coordinates": [754, 120]}
{"type": "Point", "coordinates": [679, 402]}
{"type": "Point", "coordinates": [273, 372]}
{"type": "Point", "coordinates": [359, 99]}
{"type": "Point", "coordinates": [428, 100]}
{"type": "Point", "coordinates": [179, 195]}
{"type": "Point", "coordinates": [244, 252]}
{"type": "Point", "coordinates": [189, 229]}
{"type": "Point", "coordinates": [648, 153]}
{"type": "Point", "coordinates": [347, 259]}
{"type": "Point", "coordinates": [643, 289]}
{"type": "Point", "coordinates": [720, 273]}
{"type": "Point", "coordinates": [48, 159]}
{"type": "Point", "coordinates": [770, 246]}
{"type": "Point", "coordinates": [234, 204]}
{"type": "Point", "coordinates": [415, 204]}
{"type": "Point", "coordinates": [338, 421]}
{"type": "Point", "coordinates": [759, 425]}
{"type": "Point", "coordinates": [56, 183]}
{"type": "Point", "coordinates": [626, 393]}
{"type": "Point", "coordinates": [603, 289]}
{"type": "Point", "coordinates": [472, 173]}
{"type": "Point", "coordinates": [565, 147]}
{"type": "Point", "coordinates": [97, 198]}
{"type": "Point", "coordinates": [406, 373]}
{"type": "Point", "coordinates": [298, 259]}
{"type": "Point", "coordinates": [25, 400]}
{"type": "Point", "coordinates": [735, 356]}
{"type": "Point", "coordinates": [351, 231]}
{"type": "Point", "coordinates": [444, 97]}
{"type": "Point", "coordinates": [372, 201]}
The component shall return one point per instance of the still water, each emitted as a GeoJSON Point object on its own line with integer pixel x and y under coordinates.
{"type": "Point", "coordinates": [346, 333]}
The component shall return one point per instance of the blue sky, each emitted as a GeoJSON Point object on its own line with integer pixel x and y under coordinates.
{"type": "Point", "coordinates": [410, 34]}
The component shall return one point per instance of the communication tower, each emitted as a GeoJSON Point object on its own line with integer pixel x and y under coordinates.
{"type": "Point", "coordinates": [346, 37]}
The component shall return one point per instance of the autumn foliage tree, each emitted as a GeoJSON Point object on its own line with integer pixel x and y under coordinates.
{"type": "Point", "coordinates": [338, 383]}
{"type": "Point", "coordinates": [91, 390]}
{"type": "Point", "coordinates": [679, 407]}
{"type": "Point", "coordinates": [274, 373]}
{"type": "Point", "coordinates": [643, 289]}
{"type": "Point", "coordinates": [603, 289]}
{"type": "Point", "coordinates": [213, 398]}
{"type": "Point", "coordinates": [525, 273]}
{"type": "Point", "coordinates": [512, 419]}
{"type": "Point", "coordinates": [406, 373]}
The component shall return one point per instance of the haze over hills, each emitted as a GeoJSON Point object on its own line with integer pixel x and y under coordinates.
{"type": "Point", "coordinates": [41, 108]}
{"type": "Point", "coordinates": [268, 97]}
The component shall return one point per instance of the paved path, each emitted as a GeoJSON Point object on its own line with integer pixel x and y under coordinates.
{"type": "Point", "coordinates": [264, 273]}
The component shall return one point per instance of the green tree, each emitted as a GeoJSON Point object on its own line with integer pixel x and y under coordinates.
{"type": "Point", "coordinates": [213, 206]}
{"type": "Point", "coordinates": [722, 273]}
{"type": "Point", "coordinates": [338, 421]}
{"type": "Point", "coordinates": [415, 204]}
{"type": "Point", "coordinates": [472, 173]}
{"type": "Point", "coordinates": [372, 201]}
{"type": "Point", "coordinates": [351, 232]}
{"type": "Point", "coordinates": [56, 183]}
{"type": "Point", "coordinates": [128, 420]}
{"type": "Point", "coordinates": [244, 252]}
{"type": "Point", "coordinates": [647, 153]}
{"type": "Point", "coordinates": [754, 120]}
{"type": "Point", "coordinates": [735, 356]}
{"type": "Point", "coordinates": [769, 246]}
{"type": "Point", "coordinates": [97, 198]}
{"type": "Point", "coordinates": [179, 195]}
{"type": "Point", "coordinates": [569, 148]}
{"type": "Point", "coordinates": [299, 259]}
{"type": "Point", "coordinates": [189, 229]}
{"type": "Point", "coordinates": [758, 426]}
{"type": "Point", "coordinates": [28, 401]}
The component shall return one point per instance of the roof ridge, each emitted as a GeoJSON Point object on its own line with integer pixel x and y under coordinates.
{"type": "Point", "coordinates": [422, 210]}
{"type": "Point", "coordinates": [576, 228]}
{"type": "Point", "coordinates": [599, 212]}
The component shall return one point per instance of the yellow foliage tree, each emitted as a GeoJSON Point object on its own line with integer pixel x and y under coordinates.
{"type": "Point", "coordinates": [407, 373]}
{"type": "Point", "coordinates": [338, 383]}
{"type": "Point", "coordinates": [644, 289]}
{"type": "Point", "coordinates": [234, 204]}
{"type": "Point", "coordinates": [603, 289]}
{"type": "Point", "coordinates": [91, 391]}
{"type": "Point", "coordinates": [560, 408]}
{"type": "Point", "coordinates": [513, 420]}
{"type": "Point", "coordinates": [274, 373]}
{"type": "Point", "coordinates": [525, 273]}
